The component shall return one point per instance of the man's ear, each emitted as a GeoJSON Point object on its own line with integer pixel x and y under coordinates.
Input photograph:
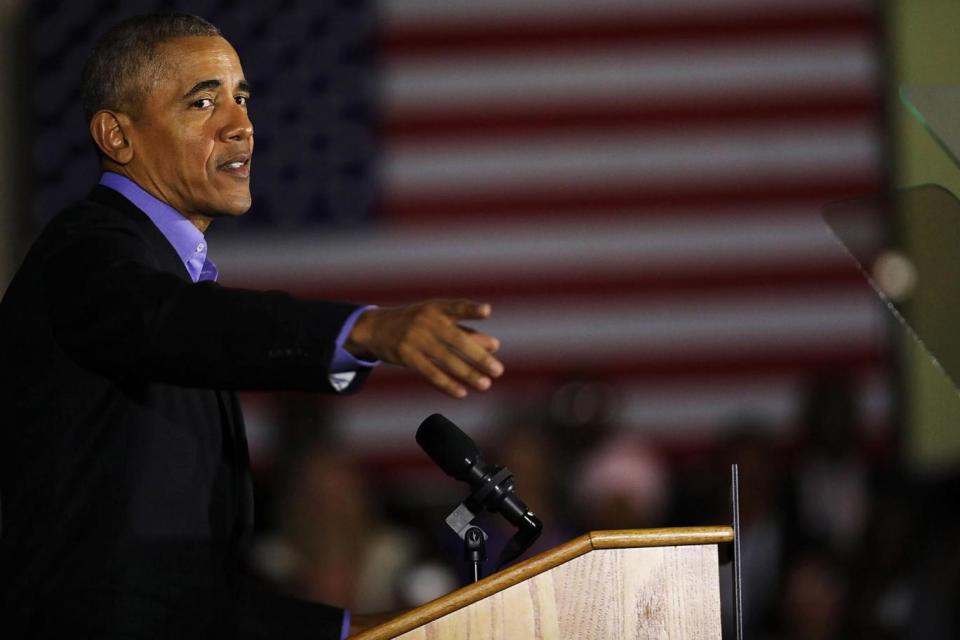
{"type": "Point", "coordinates": [109, 130]}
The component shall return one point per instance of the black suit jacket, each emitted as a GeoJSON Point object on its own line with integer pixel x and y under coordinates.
{"type": "Point", "coordinates": [124, 481]}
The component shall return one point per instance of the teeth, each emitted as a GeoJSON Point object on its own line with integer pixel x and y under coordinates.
{"type": "Point", "coordinates": [235, 165]}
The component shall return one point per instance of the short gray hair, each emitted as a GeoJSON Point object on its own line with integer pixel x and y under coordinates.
{"type": "Point", "coordinates": [117, 73]}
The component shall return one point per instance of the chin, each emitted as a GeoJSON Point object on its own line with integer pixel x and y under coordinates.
{"type": "Point", "coordinates": [235, 207]}
{"type": "Point", "coordinates": [239, 210]}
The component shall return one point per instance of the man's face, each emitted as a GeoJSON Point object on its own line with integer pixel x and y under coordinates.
{"type": "Point", "coordinates": [193, 140]}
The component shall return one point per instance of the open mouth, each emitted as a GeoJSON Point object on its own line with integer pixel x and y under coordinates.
{"type": "Point", "coordinates": [238, 166]}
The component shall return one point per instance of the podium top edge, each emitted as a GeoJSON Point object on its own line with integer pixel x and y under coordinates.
{"type": "Point", "coordinates": [670, 537]}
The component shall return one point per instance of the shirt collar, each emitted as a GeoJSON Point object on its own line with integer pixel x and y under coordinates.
{"type": "Point", "coordinates": [186, 239]}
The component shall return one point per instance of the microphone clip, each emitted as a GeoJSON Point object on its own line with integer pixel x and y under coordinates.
{"type": "Point", "coordinates": [489, 492]}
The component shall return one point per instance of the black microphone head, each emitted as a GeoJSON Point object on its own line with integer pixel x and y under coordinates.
{"type": "Point", "coordinates": [447, 445]}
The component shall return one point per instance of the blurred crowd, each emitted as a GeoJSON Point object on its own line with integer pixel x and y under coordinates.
{"type": "Point", "coordinates": [838, 539]}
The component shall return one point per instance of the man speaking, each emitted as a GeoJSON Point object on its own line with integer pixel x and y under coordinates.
{"type": "Point", "coordinates": [126, 500]}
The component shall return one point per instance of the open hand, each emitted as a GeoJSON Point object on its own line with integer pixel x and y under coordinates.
{"type": "Point", "coordinates": [428, 338]}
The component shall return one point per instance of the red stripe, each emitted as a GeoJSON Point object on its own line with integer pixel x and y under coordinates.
{"type": "Point", "coordinates": [614, 283]}
{"type": "Point", "coordinates": [564, 201]}
{"type": "Point", "coordinates": [585, 31]}
{"type": "Point", "coordinates": [524, 118]}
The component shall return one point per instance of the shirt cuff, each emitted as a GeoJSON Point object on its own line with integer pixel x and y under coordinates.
{"type": "Point", "coordinates": [343, 360]}
{"type": "Point", "coordinates": [345, 630]}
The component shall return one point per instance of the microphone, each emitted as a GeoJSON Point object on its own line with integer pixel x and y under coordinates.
{"type": "Point", "coordinates": [491, 486]}
{"type": "Point", "coordinates": [453, 450]}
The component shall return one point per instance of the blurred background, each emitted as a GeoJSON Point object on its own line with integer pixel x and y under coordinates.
{"type": "Point", "coordinates": [636, 187]}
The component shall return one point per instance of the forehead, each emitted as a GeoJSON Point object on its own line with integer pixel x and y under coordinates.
{"type": "Point", "coordinates": [187, 61]}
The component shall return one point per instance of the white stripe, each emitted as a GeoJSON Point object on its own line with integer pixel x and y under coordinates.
{"type": "Point", "coordinates": [403, 12]}
{"type": "Point", "coordinates": [715, 238]}
{"type": "Point", "coordinates": [747, 157]}
{"type": "Point", "coordinates": [665, 72]}
{"type": "Point", "coordinates": [694, 409]}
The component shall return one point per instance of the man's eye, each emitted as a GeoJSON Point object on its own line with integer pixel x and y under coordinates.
{"type": "Point", "coordinates": [203, 103]}
{"type": "Point", "coordinates": [243, 100]}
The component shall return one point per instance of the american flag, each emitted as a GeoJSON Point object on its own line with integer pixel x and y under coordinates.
{"type": "Point", "coordinates": [635, 187]}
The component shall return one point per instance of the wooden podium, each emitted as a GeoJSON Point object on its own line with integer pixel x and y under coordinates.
{"type": "Point", "coordinates": [604, 585]}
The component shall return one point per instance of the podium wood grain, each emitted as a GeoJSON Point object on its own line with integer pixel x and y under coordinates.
{"type": "Point", "coordinates": [644, 584]}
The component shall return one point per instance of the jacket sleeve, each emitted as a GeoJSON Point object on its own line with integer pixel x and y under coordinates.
{"type": "Point", "coordinates": [113, 309]}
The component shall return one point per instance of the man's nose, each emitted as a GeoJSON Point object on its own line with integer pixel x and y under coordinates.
{"type": "Point", "coordinates": [239, 126]}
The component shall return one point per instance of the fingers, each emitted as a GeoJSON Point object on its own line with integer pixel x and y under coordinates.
{"type": "Point", "coordinates": [471, 347]}
{"type": "Point", "coordinates": [436, 376]}
{"type": "Point", "coordinates": [487, 342]}
{"type": "Point", "coordinates": [466, 309]}
{"type": "Point", "coordinates": [460, 367]}
{"type": "Point", "coordinates": [460, 359]}
{"type": "Point", "coordinates": [474, 357]}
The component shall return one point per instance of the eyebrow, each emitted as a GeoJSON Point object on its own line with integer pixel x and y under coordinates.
{"type": "Point", "coordinates": [206, 85]}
